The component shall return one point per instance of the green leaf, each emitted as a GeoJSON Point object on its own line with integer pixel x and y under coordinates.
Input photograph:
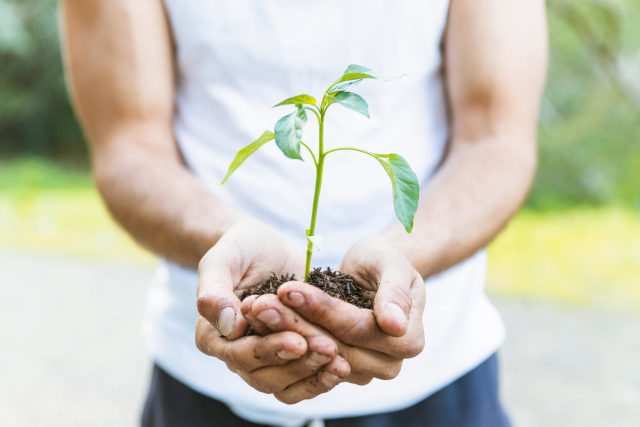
{"type": "Point", "coordinates": [358, 72]}
{"type": "Point", "coordinates": [344, 86]}
{"type": "Point", "coordinates": [289, 133]}
{"type": "Point", "coordinates": [299, 99]}
{"type": "Point", "coordinates": [350, 100]}
{"type": "Point", "coordinates": [406, 189]}
{"type": "Point", "coordinates": [248, 151]}
{"type": "Point", "coordinates": [317, 241]}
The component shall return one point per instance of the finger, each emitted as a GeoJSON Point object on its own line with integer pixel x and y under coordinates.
{"type": "Point", "coordinates": [258, 327]}
{"type": "Point", "coordinates": [325, 380]}
{"type": "Point", "coordinates": [218, 272]}
{"type": "Point", "coordinates": [358, 378]}
{"type": "Point", "coordinates": [272, 379]}
{"type": "Point", "coordinates": [392, 303]}
{"type": "Point", "coordinates": [277, 317]}
{"type": "Point", "coordinates": [378, 265]}
{"type": "Point", "coordinates": [272, 313]}
{"type": "Point", "coordinates": [383, 364]}
{"type": "Point", "coordinates": [250, 353]}
{"type": "Point", "coordinates": [371, 363]}
{"type": "Point", "coordinates": [350, 324]}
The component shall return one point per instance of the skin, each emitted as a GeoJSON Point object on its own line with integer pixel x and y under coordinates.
{"type": "Point", "coordinates": [119, 62]}
{"type": "Point", "coordinates": [247, 254]}
{"type": "Point", "coordinates": [120, 70]}
{"type": "Point", "coordinates": [495, 56]}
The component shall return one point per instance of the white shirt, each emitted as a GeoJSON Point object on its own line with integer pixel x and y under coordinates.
{"type": "Point", "coordinates": [236, 59]}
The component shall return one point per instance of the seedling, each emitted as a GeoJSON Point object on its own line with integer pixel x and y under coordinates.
{"type": "Point", "coordinates": [288, 136]}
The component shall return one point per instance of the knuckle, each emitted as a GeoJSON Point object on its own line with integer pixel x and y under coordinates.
{"type": "Point", "coordinates": [315, 388]}
{"type": "Point", "coordinates": [202, 337]}
{"type": "Point", "coordinates": [413, 348]}
{"type": "Point", "coordinates": [359, 379]}
{"type": "Point", "coordinates": [299, 371]}
{"type": "Point", "coordinates": [260, 384]}
{"type": "Point", "coordinates": [231, 358]}
{"type": "Point", "coordinates": [390, 371]}
{"type": "Point", "coordinates": [234, 370]}
{"type": "Point", "coordinates": [200, 331]}
{"type": "Point", "coordinates": [320, 309]}
{"type": "Point", "coordinates": [358, 331]}
{"type": "Point", "coordinates": [267, 352]}
{"type": "Point", "coordinates": [365, 380]}
{"type": "Point", "coordinates": [286, 398]}
{"type": "Point", "coordinates": [206, 304]}
{"type": "Point", "coordinates": [202, 346]}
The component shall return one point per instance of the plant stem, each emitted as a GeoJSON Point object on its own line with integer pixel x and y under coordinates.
{"type": "Point", "coordinates": [311, 152]}
{"type": "Point", "coordinates": [314, 112]}
{"type": "Point", "coordinates": [357, 149]}
{"type": "Point", "coordinates": [316, 195]}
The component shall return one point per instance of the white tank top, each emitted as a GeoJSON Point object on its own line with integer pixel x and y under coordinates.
{"type": "Point", "coordinates": [235, 60]}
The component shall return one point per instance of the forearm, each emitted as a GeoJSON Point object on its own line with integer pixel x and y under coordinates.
{"type": "Point", "coordinates": [479, 187]}
{"type": "Point", "coordinates": [157, 199]}
{"type": "Point", "coordinates": [495, 61]}
{"type": "Point", "coordinates": [120, 69]}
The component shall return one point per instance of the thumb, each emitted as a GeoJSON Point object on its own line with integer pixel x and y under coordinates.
{"type": "Point", "coordinates": [376, 264]}
{"type": "Point", "coordinates": [218, 273]}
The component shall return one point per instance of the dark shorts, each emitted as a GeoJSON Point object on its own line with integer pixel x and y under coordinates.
{"type": "Point", "coordinates": [470, 401]}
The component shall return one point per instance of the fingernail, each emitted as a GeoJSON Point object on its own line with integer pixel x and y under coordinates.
{"type": "Point", "coordinates": [287, 355]}
{"type": "Point", "coordinates": [315, 360]}
{"type": "Point", "coordinates": [328, 379]}
{"type": "Point", "coordinates": [270, 317]}
{"type": "Point", "coordinates": [295, 299]}
{"type": "Point", "coordinates": [396, 312]}
{"type": "Point", "coordinates": [226, 320]}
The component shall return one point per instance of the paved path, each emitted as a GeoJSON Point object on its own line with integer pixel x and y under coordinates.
{"type": "Point", "coordinates": [71, 353]}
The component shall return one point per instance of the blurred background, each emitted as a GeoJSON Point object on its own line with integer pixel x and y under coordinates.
{"type": "Point", "coordinates": [565, 274]}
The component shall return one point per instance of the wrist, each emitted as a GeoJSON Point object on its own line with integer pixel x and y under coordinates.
{"type": "Point", "coordinates": [421, 247]}
{"type": "Point", "coordinates": [204, 234]}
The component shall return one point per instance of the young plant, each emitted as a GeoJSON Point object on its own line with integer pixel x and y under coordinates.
{"type": "Point", "coordinates": [288, 136]}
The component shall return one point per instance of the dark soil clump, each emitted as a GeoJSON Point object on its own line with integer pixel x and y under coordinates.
{"type": "Point", "coordinates": [336, 284]}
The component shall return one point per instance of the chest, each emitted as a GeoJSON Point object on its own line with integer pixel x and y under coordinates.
{"type": "Point", "coordinates": [302, 44]}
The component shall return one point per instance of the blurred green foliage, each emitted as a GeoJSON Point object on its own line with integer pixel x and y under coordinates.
{"type": "Point", "coordinates": [36, 117]}
{"type": "Point", "coordinates": [590, 114]}
{"type": "Point", "coordinates": [23, 176]}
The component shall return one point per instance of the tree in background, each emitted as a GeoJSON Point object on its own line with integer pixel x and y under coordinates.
{"type": "Point", "coordinates": [590, 115]}
{"type": "Point", "coordinates": [35, 113]}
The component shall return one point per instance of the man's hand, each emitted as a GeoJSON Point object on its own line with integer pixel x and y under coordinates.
{"type": "Point", "coordinates": [271, 363]}
{"type": "Point", "coordinates": [399, 289]}
{"type": "Point", "coordinates": [373, 344]}
{"type": "Point", "coordinates": [247, 254]}
{"type": "Point", "coordinates": [396, 324]}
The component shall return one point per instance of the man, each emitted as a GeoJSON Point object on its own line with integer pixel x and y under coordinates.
{"type": "Point", "coordinates": [169, 92]}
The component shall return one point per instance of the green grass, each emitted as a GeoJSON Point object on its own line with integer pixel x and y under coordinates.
{"type": "Point", "coordinates": [583, 256]}
{"type": "Point", "coordinates": [26, 176]}
{"type": "Point", "coordinates": [46, 208]}
{"type": "Point", "coordinates": [580, 256]}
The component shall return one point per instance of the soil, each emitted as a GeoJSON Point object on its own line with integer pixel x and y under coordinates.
{"type": "Point", "coordinates": [336, 284]}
